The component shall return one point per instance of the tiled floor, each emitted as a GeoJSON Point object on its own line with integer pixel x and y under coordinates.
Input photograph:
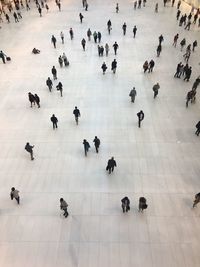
{"type": "Point", "coordinates": [160, 161]}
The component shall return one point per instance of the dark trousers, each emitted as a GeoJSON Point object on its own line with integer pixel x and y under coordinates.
{"type": "Point", "coordinates": [197, 132]}
{"type": "Point", "coordinates": [110, 169]}
{"type": "Point", "coordinates": [55, 125]}
{"type": "Point", "coordinates": [31, 153]}
{"type": "Point", "coordinates": [76, 119]}
{"type": "Point", "coordinates": [97, 148]}
{"type": "Point", "coordinates": [65, 212]}
{"type": "Point", "coordinates": [17, 199]}
{"type": "Point", "coordinates": [3, 59]}
{"type": "Point", "coordinates": [139, 123]}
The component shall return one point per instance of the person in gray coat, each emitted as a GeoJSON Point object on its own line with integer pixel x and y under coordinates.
{"type": "Point", "coordinates": [63, 206]}
{"type": "Point", "coordinates": [15, 194]}
{"type": "Point", "coordinates": [133, 94]}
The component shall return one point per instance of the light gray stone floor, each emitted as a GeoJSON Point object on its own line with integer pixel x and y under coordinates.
{"type": "Point", "coordinates": [159, 161]}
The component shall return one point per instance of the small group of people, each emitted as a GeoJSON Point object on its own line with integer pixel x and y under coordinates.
{"type": "Point", "coordinates": [86, 145]}
{"type": "Point", "coordinates": [113, 66]}
{"type": "Point", "coordinates": [126, 204]}
{"type": "Point", "coordinates": [34, 99]}
{"type": "Point", "coordinates": [148, 65]}
{"type": "Point", "coordinates": [62, 60]}
{"type": "Point", "coordinates": [184, 71]}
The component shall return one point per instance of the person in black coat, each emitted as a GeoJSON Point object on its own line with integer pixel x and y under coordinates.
{"type": "Point", "coordinates": [53, 40]}
{"type": "Point", "coordinates": [49, 83]}
{"type": "Point", "coordinates": [111, 165]}
{"type": "Point", "coordinates": [188, 74]}
{"type": "Point", "coordinates": [96, 143]}
{"type": "Point", "coordinates": [86, 146]}
{"type": "Point", "coordinates": [140, 117]}
{"type": "Point", "coordinates": [37, 100]}
{"type": "Point", "coordinates": [59, 87]}
{"type": "Point", "coordinates": [142, 204]}
{"type": "Point", "coordinates": [31, 98]}
{"type": "Point", "coordinates": [77, 114]}
{"type": "Point", "coordinates": [104, 67]}
{"type": "Point", "coordinates": [198, 128]}
{"type": "Point", "coordinates": [115, 46]}
{"type": "Point", "coordinates": [125, 204]}
{"type": "Point", "coordinates": [54, 73]}
{"type": "Point", "coordinates": [3, 57]}
{"type": "Point", "coordinates": [114, 65]}
{"type": "Point", "coordinates": [54, 121]}
{"type": "Point", "coordinates": [29, 149]}
{"type": "Point", "coordinates": [81, 17]}
{"type": "Point", "coordinates": [151, 65]}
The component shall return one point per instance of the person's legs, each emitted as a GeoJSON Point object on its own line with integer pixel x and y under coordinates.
{"type": "Point", "coordinates": [97, 149]}
{"type": "Point", "coordinates": [65, 213]}
{"type": "Point", "coordinates": [76, 119]}
{"type": "Point", "coordinates": [18, 200]}
{"type": "Point", "coordinates": [31, 153]}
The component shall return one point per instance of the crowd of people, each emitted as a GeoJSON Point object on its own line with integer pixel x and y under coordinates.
{"type": "Point", "coordinates": [182, 70]}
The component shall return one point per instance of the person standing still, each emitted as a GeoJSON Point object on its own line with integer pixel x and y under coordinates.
{"type": "Point", "coordinates": [140, 117]}
{"type": "Point", "coordinates": [15, 194]}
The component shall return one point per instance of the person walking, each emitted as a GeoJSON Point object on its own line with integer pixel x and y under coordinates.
{"type": "Point", "coordinates": [71, 33]}
{"type": "Point", "coordinates": [182, 43]}
{"type": "Point", "coordinates": [81, 17]}
{"type": "Point", "coordinates": [63, 206]}
{"type": "Point", "coordinates": [29, 149]}
{"type": "Point", "coordinates": [104, 67]}
{"type": "Point", "coordinates": [151, 65]}
{"type": "Point", "coordinates": [117, 8]}
{"type": "Point", "coordinates": [155, 89]}
{"type": "Point", "coordinates": [175, 39]}
{"type": "Point", "coordinates": [198, 128]}
{"type": "Point", "coordinates": [37, 100]}
{"type": "Point", "coordinates": [59, 87]}
{"type": "Point", "coordinates": [40, 11]}
{"type": "Point", "coordinates": [196, 200]}
{"type": "Point", "coordinates": [158, 50]}
{"type": "Point", "coordinates": [83, 42]}
{"type": "Point", "coordinates": [196, 83]}
{"type": "Point", "coordinates": [140, 117]}
{"type": "Point", "coordinates": [109, 26]}
{"type": "Point", "coordinates": [47, 8]}
{"type": "Point", "coordinates": [86, 146]}
{"type": "Point", "coordinates": [107, 49]}
{"type": "Point", "coordinates": [111, 165]}
{"type": "Point", "coordinates": [54, 73]}
{"type": "Point", "coordinates": [156, 8]}
{"type": "Point", "coordinates": [54, 120]}
{"type": "Point", "coordinates": [134, 31]}
{"type": "Point", "coordinates": [77, 114]}
{"type": "Point", "coordinates": [53, 40]}
{"type": "Point", "coordinates": [189, 97]}
{"type": "Point", "coordinates": [49, 84]}
{"type": "Point", "coordinates": [62, 37]}
{"type": "Point", "coordinates": [14, 194]}
{"type": "Point", "coordinates": [60, 61]}
{"type": "Point", "coordinates": [7, 18]}
{"type": "Point", "coordinates": [89, 33]}
{"type": "Point", "coordinates": [124, 28]}
{"type": "Point", "coordinates": [160, 39]}
{"type": "Point", "coordinates": [96, 143]}
{"type": "Point", "coordinates": [142, 204]}
{"type": "Point", "coordinates": [99, 37]}
{"type": "Point", "coordinates": [145, 66]}
{"type": "Point", "coordinates": [188, 74]}
{"type": "Point", "coordinates": [15, 17]}
{"type": "Point", "coordinates": [194, 44]}
{"type": "Point", "coordinates": [133, 94]}
{"type": "Point", "coordinates": [125, 204]}
{"type": "Point", "coordinates": [65, 60]}
{"type": "Point", "coordinates": [3, 57]}
{"type": "Point", "coordinates": [115, 46]}
{"type": "Point", "coordinates": [178, 70]}
{"type": "Point", "coordinates": [31, 98]}
{"type": "Point", "coordinates": [114, 66]}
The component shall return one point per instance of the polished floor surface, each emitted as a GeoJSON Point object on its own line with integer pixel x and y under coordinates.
{"type": "Point", "coordinates": [160, 161]}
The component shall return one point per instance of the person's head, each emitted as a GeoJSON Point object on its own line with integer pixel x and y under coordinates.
{"type": "Point", "coordinates": [61, 199]}
{"type": "Point", "coordinates": [112, 158]}
{"type": "Point", "coordinates": [95, 136]}
{"type": "Point", "coordinates": [75, 107]}
{"type": "Point", "coordinates": [53, 115]}
{"type": "Point", "coordinates": [12, 189]}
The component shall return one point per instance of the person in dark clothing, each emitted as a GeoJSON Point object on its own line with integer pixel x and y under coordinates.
{"type": "Point", "coordinates": [35, 51]}
{"type": "Point", "coordinates": [89, 33]}
{"type": "Point", "coordinates": [196, 200]}
{"type": "Point", "coordinates": [198, 128]}
{"type": "Point", "coordinates": [159, 49]}
{"type": "Point", "coordinates": [86, 146]}
{"type": "Point", "coordinates": [151, 65]}
{"type": "Point", "coordinates": [178, 70]}
{"type": "Point", "coordinates": [155, 88]}
{"type": "Point", "coordinates": [109, 25]}
{"type": "Point", "coordinates": [40, 11]}
{"type": "Point", "coordinates": [145, 66]}
{"type": "Point", "coordinates": [15, 194]}
{"type": "Point", "coordinates": [49, 83]}
{"type": "Point", "coordinates": [81, 17]}
{"type": "Point", "coordinates": [83, 42]}
{"type": "Point", "coordinates": [15, 17]}
{"type": "Point", "coordinates": [71, 33]}
{"type": "Point", "coordinates": [54, 120]}
{"type": "Point", "coordinates": [188, 74]}
{"type": "Point", "coordinates": [111, 165]}
{"type": "Point", "coordinates": [59, 87]}
{"type": "Point", "coordinates": [29, 149]}
{"type": "Point", "coordinates": [77, 114]}
{"type": "Point", "coordinates": [54, 72]}
{"type": "Point", "coordinates": [196, 83]}
{"type": "Point", "coordinates": [178, 14]}
{"type": "Point", "coordinates": [124, 28]}
{"type": "Point", "coordinates": [31, 98]}
{"type": "Point", "coordinates": [104, 67]}
{"type": "Point", "coordinates": [7, 18]}
{"type": "Point", "coordinates": [99, 37]}
{"type": "Point", "coordinates": [125, 204]}
{"type": "Point", "coordinates": [3, 57]}
{"type": "Point", "coordinates": [142, 204]}
{"type": "Point", "coordinates": [189, 97]}
{"type": "Point", "coordinates": [96, 143]}
{"type": "Point", "coordinates": [134, 31]}
{"type": "Point", "coordinates": [182, 43]}
{"type": "Point", "coordinates": [194, 45]}
{"type": "Point", "coordinates": [53, 40]}
{"type": "Point", "coordinates": [140, 117]}
{"type": "Point", "coordinates": [160, 39]}
{"type": "Point", "coordinates": [63, 206]}
{"type": "Point", "coordinates": [175, 39]}
{"type": "Point", "coordinates": [114, 65]}
{"type": "Point", "coordinates": [37, 100]}
{"type": "Point", "coordinates": [187, 27]}
{"type": "Point", "coordinates": [117, 8]}
{"type": "Point", "coordinates": [115, 46]}
{"type": "Point", "coordinates": [133, 94]}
